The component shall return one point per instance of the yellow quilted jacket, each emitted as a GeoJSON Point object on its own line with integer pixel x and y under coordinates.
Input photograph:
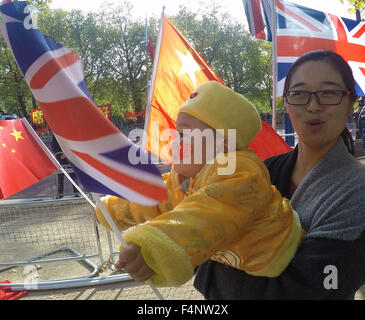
{"type": "Point", "coordinates": [240, 220]}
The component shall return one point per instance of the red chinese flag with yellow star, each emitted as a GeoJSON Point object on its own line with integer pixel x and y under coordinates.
{"type": "Point", "coordinates": [178, 70]}
{"type": "Point", "coordinates": [24, 160]}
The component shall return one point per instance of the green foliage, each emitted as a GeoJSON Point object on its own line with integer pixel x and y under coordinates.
{"type": "Point", "coordinates": [357, 4]}
{"type": "Point", "coordinates": [243, 63]}
{"type": "Point", "coordinates": [112, 46]}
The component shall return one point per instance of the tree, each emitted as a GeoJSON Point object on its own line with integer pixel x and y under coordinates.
{"type": "Point", "coordinates": [128, 62]}
{"type": "Point", "coordinates": [15, 96]}
{"type": "Point", "coordinates": [359, 6]}
{"type": "Point", "coordinates": [243, 63]}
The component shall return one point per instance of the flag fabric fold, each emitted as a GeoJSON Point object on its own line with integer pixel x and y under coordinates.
{"type": "Point", "coordinates": [7, 293]}
{"type": "Point", "coordinates": [98, 152]}
{"type": "Point", "coordinates": [178, 70]}
{"type": "Point", "coordinates": [149, 43]}
{"type": "Point", "coordinates": [268, 143]}
{"type": "Point", "coordinates": [301, 29]}
{"type": "Point", "coordinates": [23, 157]}
{"type": "Point", "coordinates": [258, 14]}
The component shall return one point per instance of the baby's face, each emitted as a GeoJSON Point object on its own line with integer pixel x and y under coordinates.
{"type": "Point", "coordinates": [195, 145]}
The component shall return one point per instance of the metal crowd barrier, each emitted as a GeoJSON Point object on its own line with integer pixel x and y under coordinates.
{"type": "Point", "coordinates": [45, 231]}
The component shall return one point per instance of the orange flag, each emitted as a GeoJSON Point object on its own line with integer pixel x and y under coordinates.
{"type": "Point", "coordinates": [178, 69]}
{"type": "Point", "coordinates": [24, 160]}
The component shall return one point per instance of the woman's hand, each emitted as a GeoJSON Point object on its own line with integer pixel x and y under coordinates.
{"type": "Point", "coordinates": [131, 260]}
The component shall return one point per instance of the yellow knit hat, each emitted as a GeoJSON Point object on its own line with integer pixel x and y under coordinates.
{"type": "Point", "coordinates": [222, 108]}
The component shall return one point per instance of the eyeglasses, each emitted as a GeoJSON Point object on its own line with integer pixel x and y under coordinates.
{"type": "Point", "coordinates": [323, 97]}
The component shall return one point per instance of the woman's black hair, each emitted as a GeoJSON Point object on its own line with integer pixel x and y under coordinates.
{"type": "Point", "coordinates": [345, 71]}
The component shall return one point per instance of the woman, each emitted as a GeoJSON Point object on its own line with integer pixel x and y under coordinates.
{"type": "Point", "coordinates": [325, 184]}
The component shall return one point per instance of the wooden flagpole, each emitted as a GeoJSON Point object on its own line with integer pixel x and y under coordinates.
{"type": "Point", "coordinates": [153, 80]}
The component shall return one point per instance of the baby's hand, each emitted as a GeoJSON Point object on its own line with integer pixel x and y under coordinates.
{"type": "Point", "coordinates": [131, 260]}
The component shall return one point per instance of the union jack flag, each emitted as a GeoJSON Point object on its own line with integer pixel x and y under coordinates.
{"type": "Point", "coordinates": [98, 152]}
{"type": "Point", "coordinates": [301, 29]}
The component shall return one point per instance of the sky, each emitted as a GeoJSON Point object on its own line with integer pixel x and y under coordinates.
{"type": "Point", "coordinates": [150, 8]}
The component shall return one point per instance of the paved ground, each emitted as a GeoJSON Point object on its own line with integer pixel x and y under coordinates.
{"type": "Point", "coordinates": [129, 290]}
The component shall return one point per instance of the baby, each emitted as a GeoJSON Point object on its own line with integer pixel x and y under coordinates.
{"type": "Point", "coordinates": [235, 217]}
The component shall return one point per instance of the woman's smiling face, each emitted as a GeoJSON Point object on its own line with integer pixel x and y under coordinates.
{"type": "Point", "coordinates": [318, 125]}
